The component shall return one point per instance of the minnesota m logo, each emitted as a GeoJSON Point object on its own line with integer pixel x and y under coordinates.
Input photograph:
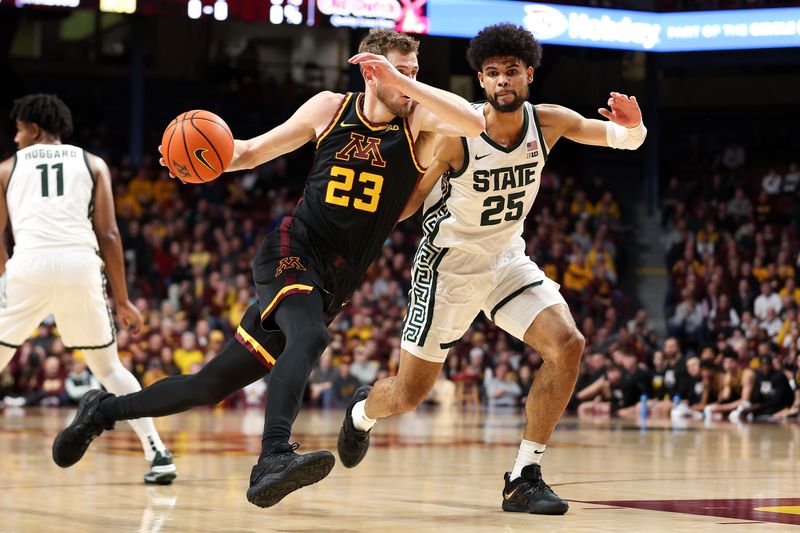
{"type": "Point", "coordinates": [289, 263]}
{"type": "Point", "coordinates": [362, 147]}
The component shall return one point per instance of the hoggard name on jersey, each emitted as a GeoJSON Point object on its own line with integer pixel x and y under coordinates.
{"type": "Point", "coordinates": [50, 153]}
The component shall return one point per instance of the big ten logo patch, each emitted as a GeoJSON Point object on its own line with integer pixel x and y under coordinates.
{"type": "Point", "coordinates": [289, 263]}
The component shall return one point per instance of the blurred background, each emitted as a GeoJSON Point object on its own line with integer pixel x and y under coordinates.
{"type": "Point", "coordinates": [679, 255]}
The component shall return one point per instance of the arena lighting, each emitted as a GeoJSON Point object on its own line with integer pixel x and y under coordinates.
{"type": "Point", "coordinates": [118, 6]}
{"type": "Point", "coordinates": [48, 3]}
{"type": "Point", "coordinates": [621, 29]}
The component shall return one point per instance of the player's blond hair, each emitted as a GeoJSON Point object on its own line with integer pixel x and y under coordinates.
{"type": "Point", "coordinates": [382, 41]}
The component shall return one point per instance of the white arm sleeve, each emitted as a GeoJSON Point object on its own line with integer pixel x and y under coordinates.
{"type": "Point", "coordinates": [624, 138]}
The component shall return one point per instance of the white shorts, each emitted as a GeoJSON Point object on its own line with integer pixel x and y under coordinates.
{"type": "Point", "coordinates": [450, 287]}
{"type": "Point", "coordinates": [68, 285]}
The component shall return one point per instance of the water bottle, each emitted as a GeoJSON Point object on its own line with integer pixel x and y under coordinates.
{"type": "Point", "coordinates": [677, 411]}
{"type": "Point", "coordinates": [643, 406]}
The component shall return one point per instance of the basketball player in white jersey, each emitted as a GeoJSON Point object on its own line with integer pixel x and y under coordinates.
{"type": "Point", "coordinates": [60, 203]}
{"type": "Point", "coordinates": [472, 256]}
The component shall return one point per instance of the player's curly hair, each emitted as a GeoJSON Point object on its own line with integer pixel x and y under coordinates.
{"type": "Point", "coordinates": [504, 40]}
{"type": "Point", "coordinates": [47, 111]}
{"type": "Point", "coordinates": [383, 41]}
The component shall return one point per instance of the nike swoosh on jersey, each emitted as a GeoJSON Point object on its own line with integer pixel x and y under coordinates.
{"type": "Point", "coordinates": [346, 124]}
{"type": "Point", "coordinates": [200, 157]}
{"type": "Point", "coordinates": [477, 157]}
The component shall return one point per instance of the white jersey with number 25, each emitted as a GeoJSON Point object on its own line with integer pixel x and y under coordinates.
{"type": "Point", "coordinates": [482, 206]}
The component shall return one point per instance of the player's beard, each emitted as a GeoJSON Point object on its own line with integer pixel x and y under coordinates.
{"type": "Point", "coordinates": [398, 110]}
{"type": "Point", "coordinates": [511, 106]}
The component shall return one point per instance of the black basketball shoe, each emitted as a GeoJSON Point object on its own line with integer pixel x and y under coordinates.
{"type": "Point", "coordinates": [88, 424]}
{"type": "Point", "coordinates": [353, 444]}
{"type": "Point", "coordinates": [283, 471]}
{"type": "Point", "coordinates": [530, 494]}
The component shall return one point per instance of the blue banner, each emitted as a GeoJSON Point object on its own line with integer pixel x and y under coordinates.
{"type": "Point", "coordinates": [621, 29]}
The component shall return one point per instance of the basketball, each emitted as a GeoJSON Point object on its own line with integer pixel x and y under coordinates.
{"type": "Point", "coordinates": [197, 146]}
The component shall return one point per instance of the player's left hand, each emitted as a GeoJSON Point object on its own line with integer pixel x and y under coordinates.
{"type": "Point", "coordinates": [164, 164]}
{"type": "Point", "coordinates": [377, 65]}
{"type": "Point", "coordinates": [624, 110]}
{"type": "Point", "coordinates": [129, 315]}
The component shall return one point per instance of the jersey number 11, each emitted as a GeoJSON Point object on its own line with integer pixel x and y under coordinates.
{"type": "Point", "coordinates": [59, 168]}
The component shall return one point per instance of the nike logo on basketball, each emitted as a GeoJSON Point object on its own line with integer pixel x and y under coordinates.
{"type": "Point", "coordinates": [346, 124]}
{"type": "Point", "coordinates": [200, 157]}
{"type": "Point", "coordinates": [478, 157]}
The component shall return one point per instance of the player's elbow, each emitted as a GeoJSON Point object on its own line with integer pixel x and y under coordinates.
{"type": "Point", "coordinates": [107, 236]}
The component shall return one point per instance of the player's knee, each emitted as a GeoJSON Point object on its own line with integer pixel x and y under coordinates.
{"type": "Point", "coordinates": [317, 336]}
{"type": "Point", "coordinates": [570, 348]}
{"type": "Point", "coordinates": [209, 390]}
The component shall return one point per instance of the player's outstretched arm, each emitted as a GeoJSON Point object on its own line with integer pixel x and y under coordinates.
{"type": "Point", "coordinates": [310, 118]}
{"type": "Point", "coordinates": [440, 111]}
{"type": "Point", "coordinates": [110, 242]}
{"type": "Point", "coordinates": [448, 154]}
{"type": "Point", "coordinates": [624, 128]}
{"type": "Point", "coordinates": [5, 172]}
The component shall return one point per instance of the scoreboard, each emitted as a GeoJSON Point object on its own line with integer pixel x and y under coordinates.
{"type": "Point", "coordinates": [404, 15]}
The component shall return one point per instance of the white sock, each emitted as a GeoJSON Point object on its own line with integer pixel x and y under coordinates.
{"type": "Point", "coordinates": [106, 367]}
{"type": "Point", "coordinates": [360, 419]}
{"type": "Point", "coordinates": [151, 441]}
{"type": "Point", "coordinates": [529, 453]}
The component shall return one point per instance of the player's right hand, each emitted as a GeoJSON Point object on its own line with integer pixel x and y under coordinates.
{"type": "Point", "coordinates": [129, 315]}
{"type": "Point", "coordinates": [378, 66]}
{"type": "Point", "coordinates": [163, 163]}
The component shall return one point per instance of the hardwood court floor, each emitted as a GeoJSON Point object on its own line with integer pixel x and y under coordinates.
{"type": "Point", "coordinates": [428, 471]}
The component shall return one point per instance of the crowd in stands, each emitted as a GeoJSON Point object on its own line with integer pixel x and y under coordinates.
{"type": "Point", "coordinates": [188, 251]}
{"type": "Point", "coordinates": [732, 257]}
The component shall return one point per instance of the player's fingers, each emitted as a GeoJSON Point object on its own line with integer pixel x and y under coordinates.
{"type": "Point", "coordinates": [358, 58]}
{"type": "Point", "coordinates": [611, 101]}
{"type": "Point", "coordinates": [372, 63]}
{"type": "Point", "coordinates": [605, 112]}
{"type": "Point", "coordinates": [159, 150]}
{"type": "Point", "coordinates": [633, 99]}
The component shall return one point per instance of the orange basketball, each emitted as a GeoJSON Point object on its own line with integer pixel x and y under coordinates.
{"type": "Point", "coordinates": [197, 146]}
